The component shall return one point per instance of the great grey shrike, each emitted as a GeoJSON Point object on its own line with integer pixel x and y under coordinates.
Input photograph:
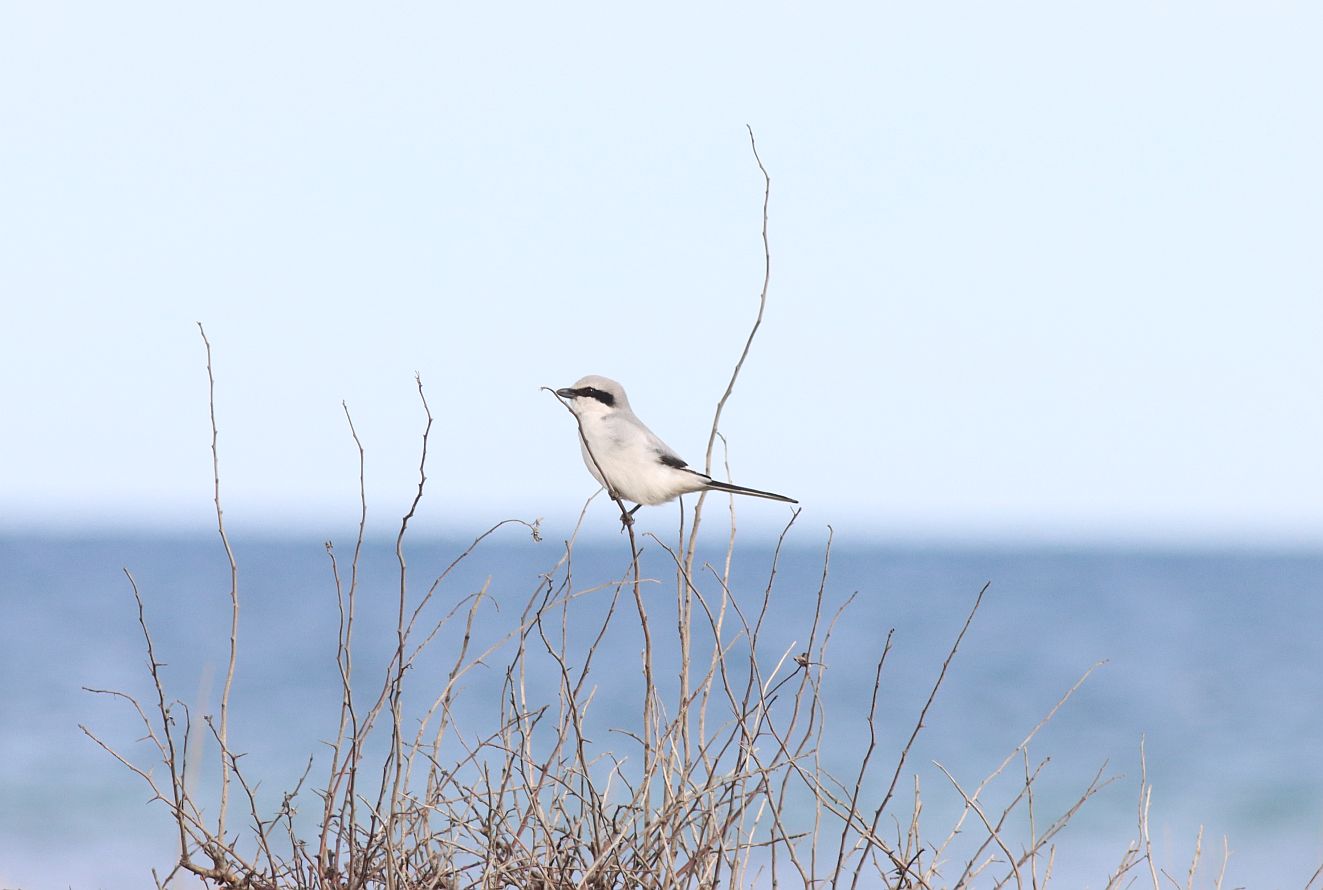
{"type": "Point", "coordinates": [627, 458]}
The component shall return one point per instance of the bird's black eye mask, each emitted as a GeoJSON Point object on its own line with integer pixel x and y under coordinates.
{"type": "Point", "coordinates": [593, 392]}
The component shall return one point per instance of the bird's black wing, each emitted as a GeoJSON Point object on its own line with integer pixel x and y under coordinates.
{"type": "Point", "coordinates": [670, 460]}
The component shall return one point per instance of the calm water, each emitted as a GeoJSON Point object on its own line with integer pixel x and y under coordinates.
{"type": "Point", "coordinates": [1213, 659]}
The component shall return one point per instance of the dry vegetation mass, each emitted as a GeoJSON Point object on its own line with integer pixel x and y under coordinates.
{"type": "Point", "coordinates": [712, 775]}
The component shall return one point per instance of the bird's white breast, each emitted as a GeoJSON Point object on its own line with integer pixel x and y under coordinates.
{"type": "Point", "coordinates": [628, 453]}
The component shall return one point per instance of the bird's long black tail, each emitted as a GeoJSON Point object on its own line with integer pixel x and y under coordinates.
{"type": "Point", "coordinates": [714, 485]}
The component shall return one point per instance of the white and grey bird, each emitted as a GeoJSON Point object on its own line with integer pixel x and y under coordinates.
{"type": "Point", "coordinates": [627, 458]}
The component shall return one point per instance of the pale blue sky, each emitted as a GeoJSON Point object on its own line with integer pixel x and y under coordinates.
{"type": "Point", "coordinates": [1039, 268]}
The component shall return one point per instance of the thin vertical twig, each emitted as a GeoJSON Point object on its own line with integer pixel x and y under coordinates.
{"type": "Point", "coordinates": [223, 729]}
{"type": "Point", "coordinates": [744, 353]}
{"type": "Point", "coordinates": [346, 769]}
{"type": "Point", "coordinates": [1145, 800]}
{"type": "Point", "coordinates": [396, 758]}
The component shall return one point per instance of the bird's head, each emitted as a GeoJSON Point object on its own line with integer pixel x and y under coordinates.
{"type": "Point", "coordinates": [594, 395]}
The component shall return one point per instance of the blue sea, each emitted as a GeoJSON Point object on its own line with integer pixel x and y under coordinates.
{"type": "Point", "coordinates": [1210, 660]}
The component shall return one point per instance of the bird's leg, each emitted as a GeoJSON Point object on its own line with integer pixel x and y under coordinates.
{"type": "Point", "coordinates": [627, 518]}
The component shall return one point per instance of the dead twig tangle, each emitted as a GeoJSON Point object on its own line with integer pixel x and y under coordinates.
{"type": "Point", "coordinates": [501, 740]}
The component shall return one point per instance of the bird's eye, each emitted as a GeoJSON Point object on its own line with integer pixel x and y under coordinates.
{"type": "Point", "coordinates": [593, 392]}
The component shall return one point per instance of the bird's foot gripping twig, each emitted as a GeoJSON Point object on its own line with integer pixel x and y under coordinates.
{"type": "Point", "coordinates": [627, 517]}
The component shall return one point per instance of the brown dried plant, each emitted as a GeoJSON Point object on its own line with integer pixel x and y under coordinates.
{"type": "Point", "coordinates": [716, 779]}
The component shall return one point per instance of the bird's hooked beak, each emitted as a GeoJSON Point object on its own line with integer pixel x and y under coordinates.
{"type": "Point", "coordinates": [567, 393]}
